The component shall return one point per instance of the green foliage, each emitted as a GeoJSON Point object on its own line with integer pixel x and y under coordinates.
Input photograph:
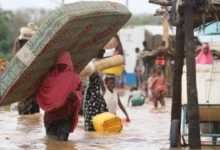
{"type": "Point", "coordinates": [6, 42]}
{"type": "Point", "coordinates": [10, 24]}
{"type": "Point", "coordinates": [145, 19]}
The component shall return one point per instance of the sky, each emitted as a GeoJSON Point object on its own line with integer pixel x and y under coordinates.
{"type": "Point", "coordinates": [135, 6]}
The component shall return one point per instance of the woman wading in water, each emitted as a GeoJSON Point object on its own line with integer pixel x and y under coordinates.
{"type": "Point", "coordinates": [60, 97]}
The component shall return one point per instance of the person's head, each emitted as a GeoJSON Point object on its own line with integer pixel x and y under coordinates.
{"type": "Point", "coordinates": [205, 48]}
{"type": "Point", "coordinates": [64, 62]}
{"type": "Point", "coordinates": [163, 43]}
{"type": "Point", "coordinates": [133, 89]}
{"type": "Point", "coordinates": [152, 71]}
{"type": "Point", "coordinates": [145, 44]}
{"type": "Point", "coordinates": [110, 82]}
{"type": "Point", "coordinates": [159, 69]}
{"type": "Point", "coordinates": [137, 50]}
{"type": "Point", "coordinates": [101, 54]}
{"type": "Point", "coordinates": [61, 67]}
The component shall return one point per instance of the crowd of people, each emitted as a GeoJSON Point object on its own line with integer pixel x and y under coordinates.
{"type": "Point", "coordinates": [61, 96]}
{"type": "Point", "coordinates": [152, 74]}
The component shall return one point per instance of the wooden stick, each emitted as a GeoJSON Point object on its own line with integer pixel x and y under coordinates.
{"type": "Point", "coordinates": [156, 14]}
{"type": "Point", "coordinates": [161, 2]}
{"type": "Point", "coordinates": [161, 11]}
{"type": "Point", "coordinates": [192, 104]}
{"type": "Point", "coordinates": [177, 78]}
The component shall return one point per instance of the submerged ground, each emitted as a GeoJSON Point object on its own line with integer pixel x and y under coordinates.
{"type": "Point", "coordinates": [146, 131]}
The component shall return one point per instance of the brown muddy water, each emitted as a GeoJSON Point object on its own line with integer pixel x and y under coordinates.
{"type": "Point", "coordinates": [146, 131]}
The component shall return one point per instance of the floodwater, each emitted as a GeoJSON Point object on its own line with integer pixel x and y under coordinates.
{"type": "Point", "coordinates": [146, 131]}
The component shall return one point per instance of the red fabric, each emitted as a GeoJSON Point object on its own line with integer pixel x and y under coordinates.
{"type": "Point", "coordinates": [68, 110]}
{"type": "Point", "coordinates": [203, 58]}
{"type": "Point", "coordinates": [161, 60]}
{"type": "Point", "coordinates": [56, 87]}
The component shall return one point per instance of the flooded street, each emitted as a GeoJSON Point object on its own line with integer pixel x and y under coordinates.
{"type": "Point", "coordinates": [146, 131]}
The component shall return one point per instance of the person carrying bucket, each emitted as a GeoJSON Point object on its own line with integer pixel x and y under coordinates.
{"type": "Point", "coordinates": [94, 102]}
{"type": "Point", "coordinates": [111, 97]}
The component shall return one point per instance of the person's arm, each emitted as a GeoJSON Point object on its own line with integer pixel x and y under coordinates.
{"type": "Point", "coordinates": [136, 66]}
{"type": "Point", "coordinates": [119, 48]}
{"type": "Point", "coordinates": [15, 47]}
{"type": "Point", "coordinates": [164, 82]}
{"type": "Point", "coordinates": [103, 88]}
{"type": "Point", "coordinates": [76, 96]}
{"type": "Point", "coordinates": [151, 83]}
{"type": "Point", "coordinates": [123, 109]}
{"type": "Point", "coordinates": [129, 99]}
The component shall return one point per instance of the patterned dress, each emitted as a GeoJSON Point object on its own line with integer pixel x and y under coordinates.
{"type": "Point", "coordinates": [94, 102]}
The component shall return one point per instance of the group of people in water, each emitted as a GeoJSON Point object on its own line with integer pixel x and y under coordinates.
{"type": "Point", "coordinates": [156, 83]}
{"type": "Point", "coordinates": [60, 97]}
{"type": "Point", "coordinates": [60, 94]}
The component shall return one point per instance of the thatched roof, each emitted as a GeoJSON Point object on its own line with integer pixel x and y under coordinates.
{"type": "Point", "coordinates": [205, 11]}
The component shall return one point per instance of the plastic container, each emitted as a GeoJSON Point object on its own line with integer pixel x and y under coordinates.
{"type": "Point", "coordinates": [107, 122]}
{"type": "Point", "coordinates": [137, 102]}
{"type": "Point", "coordinates": [117, 71]}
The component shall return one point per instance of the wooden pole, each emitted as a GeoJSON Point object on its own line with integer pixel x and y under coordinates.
{"type": "Point", "coordinates": [192, 104]}
{"type": "Point", "coordinates": [166, 32]}
{"type": "Point", "coordinates": [177, 79]}
{"type": "Point", "coordinates": [168, 65]}
{"type": "Point", "coordinates": [161, 2]}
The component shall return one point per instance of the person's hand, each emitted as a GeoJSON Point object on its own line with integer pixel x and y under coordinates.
{"type": "Point", "coordinates": [72, 97]}
{"type": "Point", "coordinates": [128, 119]}
{"type": "Point", "coordinates": [100, 73]}
{"type": "Point", "coordinates": [76, 102]}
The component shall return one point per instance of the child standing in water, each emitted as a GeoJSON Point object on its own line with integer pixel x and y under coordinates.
{"type": "Point", "coordinates": [112, 97]}
{"type": "Point", "coordinates": [158, 89]}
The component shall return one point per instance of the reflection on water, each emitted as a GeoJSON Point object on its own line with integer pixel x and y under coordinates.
{"type": "Point", "coordinates": [146, 131]}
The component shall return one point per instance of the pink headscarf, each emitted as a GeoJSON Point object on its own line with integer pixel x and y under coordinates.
{"type": "Point", "coordinates": [57, 85]}
{"type": "Point", "coordinates": [203, 58]}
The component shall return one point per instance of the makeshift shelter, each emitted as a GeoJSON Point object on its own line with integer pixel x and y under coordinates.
{"type": "Point", "coordinates": [154, 34]}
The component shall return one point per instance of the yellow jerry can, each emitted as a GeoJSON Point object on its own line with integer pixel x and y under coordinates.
{"type": "Point", "coordinates": [107, 122]}
{"type": "Point", "coordinates": [117, 71]}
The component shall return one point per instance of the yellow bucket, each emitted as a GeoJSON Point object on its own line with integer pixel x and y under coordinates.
{"type": "Point", "coordinates": [117, 71]}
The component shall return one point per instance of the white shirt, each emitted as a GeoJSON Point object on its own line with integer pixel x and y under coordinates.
{"type": "Point", "coordinates": [136, 94]}
{"type": "Point", "coordinates": [111, 100]}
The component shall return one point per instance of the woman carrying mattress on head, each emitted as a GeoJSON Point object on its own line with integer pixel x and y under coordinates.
{"type": "Point", "coordinates": [60, 97]}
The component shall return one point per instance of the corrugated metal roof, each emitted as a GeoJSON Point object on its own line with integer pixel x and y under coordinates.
{"type": "Point", "coordinates": [211, 29]}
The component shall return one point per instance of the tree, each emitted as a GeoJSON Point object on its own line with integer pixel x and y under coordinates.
{"type": "Point", "coordinates": [22, 16]}
{"type": "Point", "coordinates": [5, 36]}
